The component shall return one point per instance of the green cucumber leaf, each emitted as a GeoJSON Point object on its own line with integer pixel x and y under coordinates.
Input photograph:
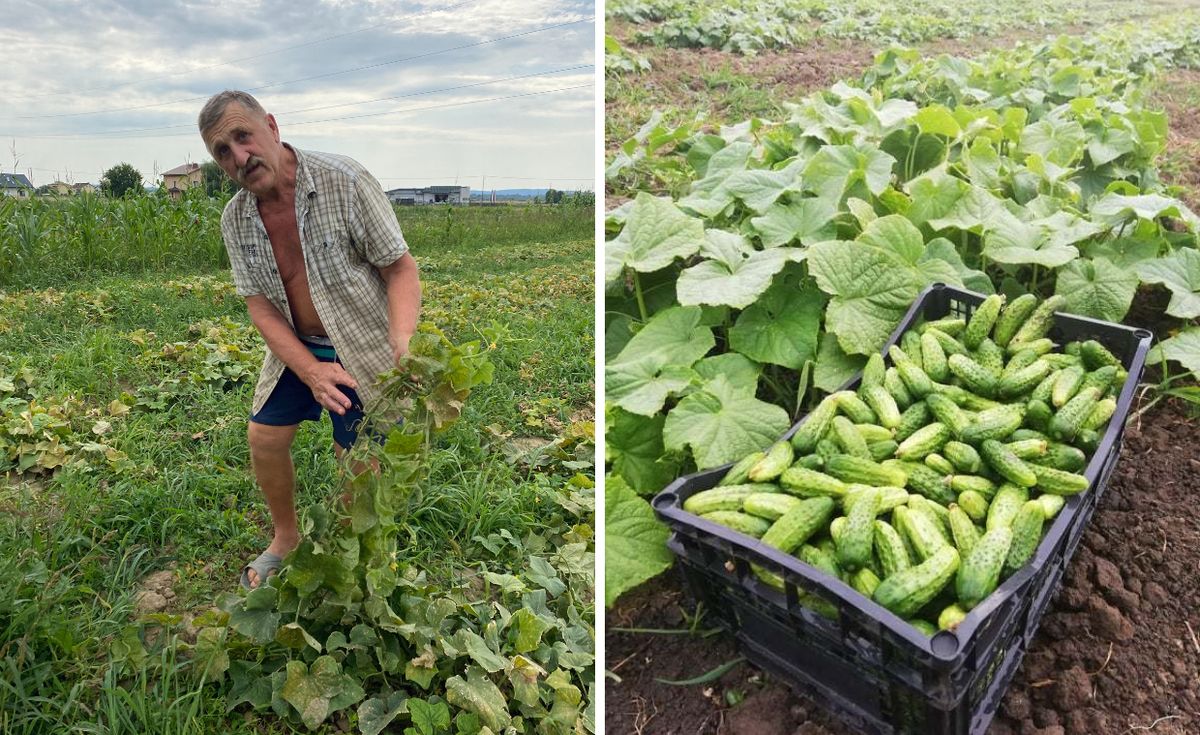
{"type": "Point", "coordinates": [806, 220]}
{"type": "Point", "coordinates": [635, 548]}
{"type": "Point", "coordinates": [656, 361]}
{"type": "Point", "coordinates": [319, 691]}
{"type": "Point", "coordinates": [1180, 273]}
{"type": "Point", "coordinates": [735, 274]}
{"type": "Point", "coordinates": [781, 327]}
{"type": "Point", "coordinates": [1183, 348]}
{"type": "Point", "coordinates": [834, 367]}
{"type": "Point", "coordinates": [655, 234]}
{"type": "Point", "coordinates": [634, 447]}
{"type": "Point", "coordinates": [1116, 209]}
{"type": "Point", "coordinates": [721, 424]}
{"type": "Point", "coordinates": [1096, 288]}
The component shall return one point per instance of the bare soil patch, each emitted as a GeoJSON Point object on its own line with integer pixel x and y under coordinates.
{"type": "Point", "coordinates": [1116, 652]}
{"type": "Point", "coordinates": [1179, 96]}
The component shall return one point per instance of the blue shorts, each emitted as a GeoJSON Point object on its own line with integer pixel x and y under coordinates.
{"type": "Point", "coordinates": [292, 402]}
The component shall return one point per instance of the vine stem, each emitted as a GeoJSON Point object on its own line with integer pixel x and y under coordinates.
{"type": "Point", "coordinates": [641, 301]}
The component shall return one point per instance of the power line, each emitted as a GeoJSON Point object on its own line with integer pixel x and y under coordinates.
{"type": "Point", "coordinates": [315, 76]}
{"type": "Point", "coordinates": [123, 134]}
{"type": "Point", "coordinates": [242, 58]}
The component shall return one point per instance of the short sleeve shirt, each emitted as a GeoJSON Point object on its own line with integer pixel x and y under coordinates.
{"type": "Point", "coordinates": [348, 231]}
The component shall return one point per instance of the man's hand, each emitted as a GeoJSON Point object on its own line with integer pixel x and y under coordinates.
{"type": "Point", "coordinates": [399, 347]}
{"type": "Point", "coordinates": [323, 380]}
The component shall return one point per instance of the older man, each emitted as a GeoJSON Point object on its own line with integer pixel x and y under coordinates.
{"type": "Point", "coordinates": [328, 281]}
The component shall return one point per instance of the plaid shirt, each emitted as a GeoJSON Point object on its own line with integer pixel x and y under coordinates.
{"type": "Point", "coordinates": [348, 230]}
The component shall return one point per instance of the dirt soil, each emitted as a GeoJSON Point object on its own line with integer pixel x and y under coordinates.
{"type": "Point", "coordinates": [1117, 652]}
{"type": "Point", "coordinates": [1178, 96]}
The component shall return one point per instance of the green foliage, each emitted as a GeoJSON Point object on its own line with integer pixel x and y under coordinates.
{"type": "Point", "coordinates": [216, 183]}
{"type": "Point", "coordinates": [121, 179]}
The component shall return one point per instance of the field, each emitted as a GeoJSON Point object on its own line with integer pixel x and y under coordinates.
{"type": "Point", "coordinates": [127, 506]}
{"type": "Point", "coordinates": [766, 163]}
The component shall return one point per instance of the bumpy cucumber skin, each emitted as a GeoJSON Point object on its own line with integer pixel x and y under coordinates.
{"type": "Point", "coordinates": [1102, 379]}
{"type": "Point", "coordinates": [779, 458]}
{"type": "Point", "coordinates": [963, 530]}
{"type": "Point", "coordinates": [827, 448]}
{"type": "Point", "coordinates": [740, 522]}
{"type": "Point", "coordinates": [1029, 448]}
{"type": "Point", "coordinates": [895, 385]}
{"type": "Point", "coordinates": [924, 626]}
{"type": "Point", "coordinates": [1012, 317]}
{"type": "Point", "coordinates": [873, 371]}
{"type": "Point", "coordinates": [864, 581]}
{"type": "Point", "coordinates": [975, 504]}
{"type": "Point", "coordinates": [810, 483]}
{"type": "Point", "coordinates": [855, 408]}
{"type": "Point", "coordinates": [882, 450]}
{"type": "Point", "coordinates": [1006, 464]}
{"type": "Point", "coordinates": [1039, 347]}
{"type": "Point", "coordinates": [847, 436]}
{"type": "Point", "coordinates": [964, 457]}
{"type": "Point", "coordinates": [857, 539]}
{"type": "Point", "coordinates": [1051, 504]}
{"type": "Point", "coordinates": [810, 461]}
{"type": "Point", "coordinates": [1005, 505]}
{"type": "Point", "coordinates": [990, 355]}
{"type": "Point", "coordinates": [798, 524]}
{"type": "Point", "coordinates": [1058, 482]}
{"type": "Point", "coordinates": [906, 592]}
{"type": "Point", "coordinates": [939, 464]}
{"type": "Point", "coordinates": [925, 481]}
{"type": "Point", "coordinates": [1038, 414]}
{"type": "Point", "coordinates": [873, 432]}
{"type": "Point", "coordinates": [889, 547]}
{"type": "Point", "coordinates": [1063, 457]}
{"type": "Point", "coordinates": [1101, 413]}
{"type": "Point", "coordinates": [814, 427]}
{"type": "Point", "coordinates": [982, 321]}
{"type": "Point", "coordinates": [948, 412]}
{"type": "Point", "coordinates": [975, 483]}
{"type": "Point", "coordinates": [974, 376]}
{"type": "Point", "coordinates": [819, 559]}
{"type": "Point", "coordinates": [950, 345]}
{"type": "Point", "coordinates": [855, 469]}
{"type": "Point", "coordinates": [1069, 419]}
{"type": "Point", "coordinates": [1026, 533]}
{"type": "Point", "coordinates": [925, 440]}
{"type": "Point", "coordinates": [883, 404]}
{"type": "Point", "coordinates": [933, 358]}
{"type": "Point", "coordinates": [1039, 322]}
{"type": "Point", "coordinates": [913, 418]}
{"type": "Point", "coordinates": [1020, 359]}
{"type": "Point", "coordinates": [740, 471]}
{"type": "Point", "coordinates": [950, 617]}
{"type": "Point", "coordinates": [922, 533]}
{"type": "Point", "coordinates": [935, 512]}
{"type": "Point", "coordinates": [771, 506]}
{"type": "Point", "coordinates": [994, 423]}
{"type": "Point", "coordinates": [915, 378]}
{"type": "Point", "coordinates": [980, 571]}
{"type": "Point", "coordinates": [1045, 389]}
{"type": "Point", "coordinates": [910, 345]}
{"type": "Point", "coordinates": [1096, 355]}
{"type": "Point", "coordinates": [1066, 385]}
{"type": "Point", "coordinates": [889, 497]}
{"type": "Point", "coordinates": [1023, 380]}
{"type": "Point", "coordinates": [729, 497]}
{"type": "Point", "coordinates": [951, 325]}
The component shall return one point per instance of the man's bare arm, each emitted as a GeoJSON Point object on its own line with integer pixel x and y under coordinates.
{"type": "Point", "coordinates": [323, 378]}
{"type": "Point", "coordinates": [404, 302]}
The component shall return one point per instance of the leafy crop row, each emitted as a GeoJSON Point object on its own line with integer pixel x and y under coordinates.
{"type": "Point", "coordinates": [796, 246]}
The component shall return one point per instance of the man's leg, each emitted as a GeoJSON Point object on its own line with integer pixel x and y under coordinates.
{"type": "Point", "coordinates": [271, 458]}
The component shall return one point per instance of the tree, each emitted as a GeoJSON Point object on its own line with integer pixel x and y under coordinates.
{"type": "Point", "coordinates": [121, 178]}
{"type": "Point", "coordinates": [216, 183]}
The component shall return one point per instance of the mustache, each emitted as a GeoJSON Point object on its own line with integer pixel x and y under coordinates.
{"type": "Point", "coordinates": [250, 163]}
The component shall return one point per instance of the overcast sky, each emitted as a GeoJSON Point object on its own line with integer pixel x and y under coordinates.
{"type": "Point", "coordinates": [73, 72]}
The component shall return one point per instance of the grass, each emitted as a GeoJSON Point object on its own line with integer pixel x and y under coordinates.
{"type": "Point", "coordinates": [77, 545]}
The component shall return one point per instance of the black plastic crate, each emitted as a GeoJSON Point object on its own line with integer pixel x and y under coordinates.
{"type": "Point", "coordinates": [868, 665]}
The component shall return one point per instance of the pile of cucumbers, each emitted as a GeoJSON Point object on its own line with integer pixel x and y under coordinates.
{"type": "Point", "coordinates": [934, 480]}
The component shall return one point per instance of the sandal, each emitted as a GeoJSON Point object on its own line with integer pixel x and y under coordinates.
{"type": "Point", "coordinates": [262, 566]}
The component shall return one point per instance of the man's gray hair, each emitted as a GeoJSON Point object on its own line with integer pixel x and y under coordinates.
{"type": "Point", "coordinates": [215, 107]}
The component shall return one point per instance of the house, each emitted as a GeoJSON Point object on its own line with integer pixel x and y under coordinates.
{"type": "Point", "coordinates": [431, 195]}
{"type": "Point", "coordinates": [15, 185]}
{"type": "Point", "coordinates": [84, 188]}
{"type": "Point", "coordinates": [58, 188]}
{"type": "Point", "coordinates": [178, 179]}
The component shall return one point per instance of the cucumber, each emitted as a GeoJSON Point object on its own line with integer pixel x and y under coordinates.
{"type": "Point", "coordinates": [908, 591]}
{"type": "Point", "coordinates": [948, 412]}
{"type": "Point", "coordinates": [1038, 414]}
{"type": "Point", "coordinates": [1020, 359]}
{"type": "Point", "coordinates": [982, 321]}
{"type": "Point", "coordinates": [939, 464]}
{"type": "Point", "coordinates": [821, 559]}
{"type": "Point", "coordinates": [1073, 348]}
{"type": "Point", "coordinates": [882, 450]}
{"type": "Point", "coordinates": [827, 449]}
{"type": "Point", "coordinates": [994, 423]}
{"type": "Point", "coordinates": [950, 617]}
{"type": "Point", "coordinates": [890, 549]}
{"type": "Point", "coordinates": [873, 433]}
{"type": "Point", "coordinates": [1039, 322]}
{"type": "Point", "coordinates": [947, 344]}
{"type": "Point", "coordinates": [1029, 448]}
{"type": "Point", "coordinates": [771, 506]}
{"type": "Point", "coordinates": [913, 418]}
{"type": "Point", "coordinates": [836, 528]}
{"type": "Point", "coordinates": [852, 406]}
{"type": "Point", "coordinates": [798, 524]}
{"type": "Point", "coordinates": [915, 378]}
{"type": "Point", "coordinates": [923, 533]}
{"type": "Point", "coordinates": [873, 371]}
{"type": "Point", "coordinates": [933, 358]}
{"type": "Point", "coordinates": [963, 530]}
{"type": "Point", "coordinates": [1063, 457]}
{"type": "Point", "coordinates": [924, 626]}
{"type": "Point", "coordinates": [980, 571]}
{"type": "Point", "coordinates": [857, 539]}
{"type": "Point", "coordinates": [1051, 504]}
{"type": "Point", "coordinates": [1059, 482]}
{"type": "Point", "coordinates": [1012, 317]}
{"type": "Point", "coordinates": [1060, 361]}
{"type": "Point", "coordinates": [738, 521]}
{"type": "Point", "coordinates": [883, 404]}
{"type": "Point", "coordinates": [815, 425]}
{"type": "Point", "coordinates": [1039, 347]}
{"type": "Point", "coordinates": [858, 470]}
{"type": "Point", "coordinates": [1100, 414]}
{"type": "Point", "coordinates": [739, 473]}
{"type": "Point", "coordinates": [1066, 385]}
{"type": "Point", "coordinates": [990, 355]}
{"type": "Point", "coordinates": [974, 504]}
{"type": "Point", "coordinates": [889, 497]}
{"type": "Point", "coordinates": [1026, 533]}
{"type": "Point", "coordinates": [951, 325]}
{"type": "Point", "coordinates": [847, 436]}
{"type": "Point", "coordinates": [1005, 463]}
{"type": "Point", "coordinates": [1096, 355]}
{"type": "Point", "coordinates": [975, 377]}
{"type": "Point", "coordinates": [1069, 419]}
{"type": "Point", "coordinates": [811, 483]}
{"type": "Point", "coordinates": [964, 457]}
{"type": "Point", "coordinates": [1103, 379]}
{"type": "Point", "coordinates": [779, 457]}
{"type": "Point", "coordinates": [864, 581]}
{"type": "Point", "coordinates": [924, 480]}
{"type": "Point", "coordinates": [730, 497]}
{"type": "Point", "coordinates": [1088, 439]}
{"type": "Point", "coordinates": [910, 345]}
{"type": "Point", "coordinates": [936, 513]}
{"type": "Point", "coordinates": [924, 441]}
{"type": "Point", "coordinates": [1023, 380]}
{"type": "Point", "coordinates": [1045, 389]}
{"type": "Point", "coordinates": [964, 398]}
{"type": "Point", "coordinates": [895, 385]}
{"type": "Point", "coordinates": [1005, 505]}
{"type": "Point", "coordinates": [810, 461]}
{"type": "Point", "coordinates": [977, 483]}
{"type": "Point", "coordinates": [1023, 434]}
